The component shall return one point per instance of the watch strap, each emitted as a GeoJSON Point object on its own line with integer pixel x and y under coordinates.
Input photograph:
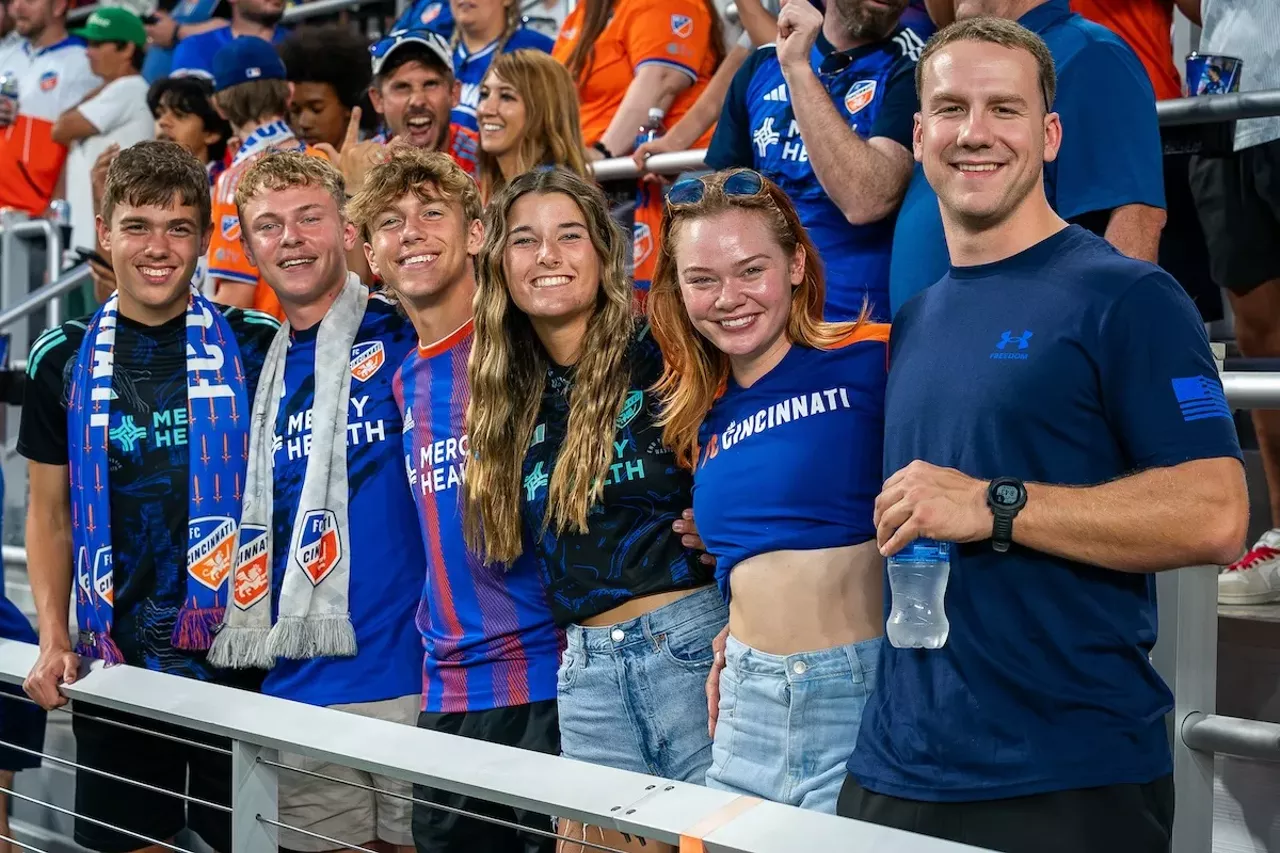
{"type": "Point", "coordinates": [1001, 531]}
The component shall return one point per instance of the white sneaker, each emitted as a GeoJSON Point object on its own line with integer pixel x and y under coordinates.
{"type": "Point", "coordinates": [1255, 577]}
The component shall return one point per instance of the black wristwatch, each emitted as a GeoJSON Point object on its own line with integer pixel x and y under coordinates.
{"type": "Point", "coordinates": [1006, 496]}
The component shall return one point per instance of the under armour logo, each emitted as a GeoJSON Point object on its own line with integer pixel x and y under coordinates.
{"type": "Point", "coordinates": [1007, 338]}
{"type": "Point", "coordinates": [765, 136]}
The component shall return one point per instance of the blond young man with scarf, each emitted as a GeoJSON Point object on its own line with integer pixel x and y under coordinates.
{"type": "Point", "coordinates": [135, 422]}
{"type": "Point", "coordinates": [329, 559]}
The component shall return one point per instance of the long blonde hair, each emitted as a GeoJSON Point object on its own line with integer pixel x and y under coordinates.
{"type": "Point", "coordinates": [507, 373]}
{"type": "Point", "coordinates": [694, 370]}
{"type": "Point", "coordinates": [552, 133]}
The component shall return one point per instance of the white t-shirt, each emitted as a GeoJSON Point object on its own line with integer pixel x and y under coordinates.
{"type": "Point", "coordinates": [121, 115]}
{"type": "Point", "coordinates": [1249, 30]}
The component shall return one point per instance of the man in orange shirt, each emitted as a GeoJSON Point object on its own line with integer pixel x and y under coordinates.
{"type": "Point", "coordinates": [251, 93]}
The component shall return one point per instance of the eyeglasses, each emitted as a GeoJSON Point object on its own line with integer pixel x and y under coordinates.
{"type": "Point", "coordinates": [743, 183]}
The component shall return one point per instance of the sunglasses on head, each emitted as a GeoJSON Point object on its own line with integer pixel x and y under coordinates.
{"type": "Point", "coordinates": [384, 45]}
{"type": "Point", "coordinates": [742, 183]}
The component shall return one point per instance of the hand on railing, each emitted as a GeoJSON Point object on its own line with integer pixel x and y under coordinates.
{"type": "Point", "coordinates": [57, 665]}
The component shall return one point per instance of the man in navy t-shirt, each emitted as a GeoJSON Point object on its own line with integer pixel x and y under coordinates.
{"type": "Point", "coordinates": [789, 115]}
{"type": "Point", "coordinates": [1109, 174]}
{"type": "Point", "coordinates": [290, 209]}
{"type": "Point", "coordinates": [1053, 409]}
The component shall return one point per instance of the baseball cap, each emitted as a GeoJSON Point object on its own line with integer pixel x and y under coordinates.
{"type": "Point", "coordinates": [383, 49]}
{"type": "Point", "coordinates": [243, 60]}
{"type": "Point", "coordinates": [113, 24]}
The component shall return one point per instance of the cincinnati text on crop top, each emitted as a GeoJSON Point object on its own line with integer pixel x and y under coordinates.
{"type": "Point", "coordinates": [794, 461]}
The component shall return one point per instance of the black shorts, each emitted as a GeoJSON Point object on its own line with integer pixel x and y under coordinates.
{"type": "Point", "coordinates": [536, 727]}
{"type": "Point", "coordinates": [1182, 242]}
{"type": "Point", "coordinates": [21, 724]}
{"type": "Point", "coordinates": [163, 763]}
{"type": "Point", "coordinates": [1112, 819]}
{"type": "Point", "coordinates": [1238, 197]}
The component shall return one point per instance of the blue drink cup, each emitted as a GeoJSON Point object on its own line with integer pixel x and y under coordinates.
{"type": "Point", "coordinates": [1212, 75]}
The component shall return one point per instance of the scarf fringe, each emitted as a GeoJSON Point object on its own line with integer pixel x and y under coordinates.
{"type": "Point", "coordinates": [241, 648]}
{"type": "Point", "coordinates": [302, 637]}
{"type": "Point", "coordinates": [101, 647]}
{"type": "Point", "coordinates": [195, 627]}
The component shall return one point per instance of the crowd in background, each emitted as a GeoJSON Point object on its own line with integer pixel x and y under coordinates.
{"type": "Point", "coordinates": [812, 112]}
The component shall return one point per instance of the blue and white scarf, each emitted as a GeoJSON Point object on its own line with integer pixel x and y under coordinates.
{"type": "Point", "coordinates": [217, 411]}
{"type": "Point", "coordinates": [277, 136]}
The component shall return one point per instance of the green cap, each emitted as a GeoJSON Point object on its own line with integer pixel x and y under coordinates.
{"type": "Point", "coordinates": [112, 23]}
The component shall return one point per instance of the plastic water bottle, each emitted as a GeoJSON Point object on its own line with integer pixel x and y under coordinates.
{"type": "Point", "coordinates": [652, 128]}
{"type": "Point", "coordinates": [918, 582]}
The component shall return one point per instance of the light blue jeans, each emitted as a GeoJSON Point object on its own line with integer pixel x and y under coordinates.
{"type": "Point", "coordinates": [788, 724]}
{"type": "Point", "coordinates": [633, 696]}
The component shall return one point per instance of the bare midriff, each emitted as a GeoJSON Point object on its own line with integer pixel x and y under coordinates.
{"type": "Point", "coordinates": [787, 602]}
{"type": "Point", "coordinates": [637, 607]}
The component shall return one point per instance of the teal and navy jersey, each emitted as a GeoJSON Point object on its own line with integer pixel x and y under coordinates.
{"type": "Point", "coordinates": [386, 554]}
{"type": "Point", "coordinates": [806, 442]}
{"type": "Point", "coordinates": [1066, 364]}
{"type": "Point", "coordinates": [487, 631]}
{"type": "Point", "coordinates": [469, 69]}
{"type": "Point", "coordinates": [629, 549]}
{"type": "Point", "coordinates": [148, 457]}
{"type": "Point", "coordinates": [873, 87]}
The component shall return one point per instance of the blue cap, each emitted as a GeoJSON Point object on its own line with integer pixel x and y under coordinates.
{"type": "Point", "coordinates": [244, 60]}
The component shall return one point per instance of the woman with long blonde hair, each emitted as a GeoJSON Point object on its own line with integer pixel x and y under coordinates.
{"type": "Point", "coordinates": [483, 30]}
{"type": "Point", "coordinates": [567, 458]}
{"type": "Point", "coordinates": [762, 397]}
{"type": "Point", "coordinates": [528, 114]}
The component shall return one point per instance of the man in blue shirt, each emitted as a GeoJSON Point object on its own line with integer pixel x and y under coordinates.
{"type": "Point", "coordinates": [290, 209]}
{"type": "Point", "coordinates": [789, 114]}
{"type": "Point", "coordinates": [1109, 175]}
{"type": "Point", "coordinates": [257, 18]}
{"type": "Point", "coordinates": [1053, 410]}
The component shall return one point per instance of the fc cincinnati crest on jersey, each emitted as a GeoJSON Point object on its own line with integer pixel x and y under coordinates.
{"type": "Point", "coordinates": [253, 567]}
{"type": "Point", "coordinates": [630, 408]}
{"type": "Point", "coordinates": [230, 227]}
{"type": "Point", "coordinates": [319, 547]}
{"type": "Point", "coordinates": [366, 359]}
{"type": "Point", "coordinates": [682, 25]}
{"type": "Point", "coordinates": [48, 81]}
{"type": "Point", "coordinates": [430, 13]}
{"type": "Point", "coordinates": [102, 582]}
{"type": "Point", "coordinates": [860, 94]}
{"type": "Point", "coordinates": [642, 239]}
{"type": "Point", "coordinates": [211, 543]}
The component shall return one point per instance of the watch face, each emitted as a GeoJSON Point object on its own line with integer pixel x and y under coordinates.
{"type": "Point", "coordinates": [1007, 495]}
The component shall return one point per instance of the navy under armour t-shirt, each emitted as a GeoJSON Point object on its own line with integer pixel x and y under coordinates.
{"type": "Point", "coordinates": [1070, 364]}
{"type": "Point", "coordinates": [1110, 155]}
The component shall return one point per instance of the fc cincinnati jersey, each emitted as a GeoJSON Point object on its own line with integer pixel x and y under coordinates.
{"type": "Point", "coordinates": [51, 80]}
{"type": "Point", "coordinates": [487, 630]}
{"type": "Point", "coordinates": [873, 89]}
{"type": "Point", "coordinates": [385, 549]}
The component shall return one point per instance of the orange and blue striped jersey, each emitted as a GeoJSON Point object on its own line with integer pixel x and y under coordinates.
{"type": "Point", "coordinates": [793, 462]}
{"type": "Point", "coordinates": [486, 630]}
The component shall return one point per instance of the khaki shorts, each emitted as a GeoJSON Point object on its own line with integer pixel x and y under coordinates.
{"type": "Point", "coordinates": [352, 815]}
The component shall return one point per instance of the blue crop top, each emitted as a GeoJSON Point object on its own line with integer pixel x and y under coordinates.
{"type": "Point", "coordinates": [794, 462]}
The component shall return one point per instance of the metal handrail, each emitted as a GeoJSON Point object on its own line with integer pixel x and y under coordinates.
{"type": "Point", "coordinates": [1216, 734]}
{"type": "Point", "coordinates": [634, 803]}
{"type": "Point", "coordinates": [46, 297]}
{"type": "Point", "coordinates": [14, 227]}
{"type": "Point", "coordinates": [293, 13]}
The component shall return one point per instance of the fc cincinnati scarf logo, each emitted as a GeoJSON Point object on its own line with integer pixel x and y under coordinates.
{"type": "Point", "coordinates": [218, 451]}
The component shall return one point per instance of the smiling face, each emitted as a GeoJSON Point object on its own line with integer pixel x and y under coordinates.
{"type": "Point", "coordinates": [298, 239]}
{"type": "Point", "coordinates": [153, 251]}
{"type": "Point", "coordinates": [422, 245]}
{"type": "Point", "coordinates": [736, 281]}
{"type": "Point", "coordinates": [502, 117]}
{"type": "Point", "coordinates": [415, 101]}
{"type": "Point", "coordinates": [982, 133]}
{"type": "Point", "coordinates": [551, 267]}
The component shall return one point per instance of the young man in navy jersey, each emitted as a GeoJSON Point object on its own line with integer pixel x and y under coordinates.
{"type": "Point", "coordinates": [1053, 409]}
{"type": "Point", "coordinates": [832, 101]}
{"type": "Point", "coordinates": [326, 382]}
{"type": "Point", "coordinates": [492, 651]}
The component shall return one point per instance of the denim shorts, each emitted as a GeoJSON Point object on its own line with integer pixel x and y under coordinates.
{"type": "Point", "coordinates": [788, 724]}
{"type": "Point", "coordinates": [633, 695]}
